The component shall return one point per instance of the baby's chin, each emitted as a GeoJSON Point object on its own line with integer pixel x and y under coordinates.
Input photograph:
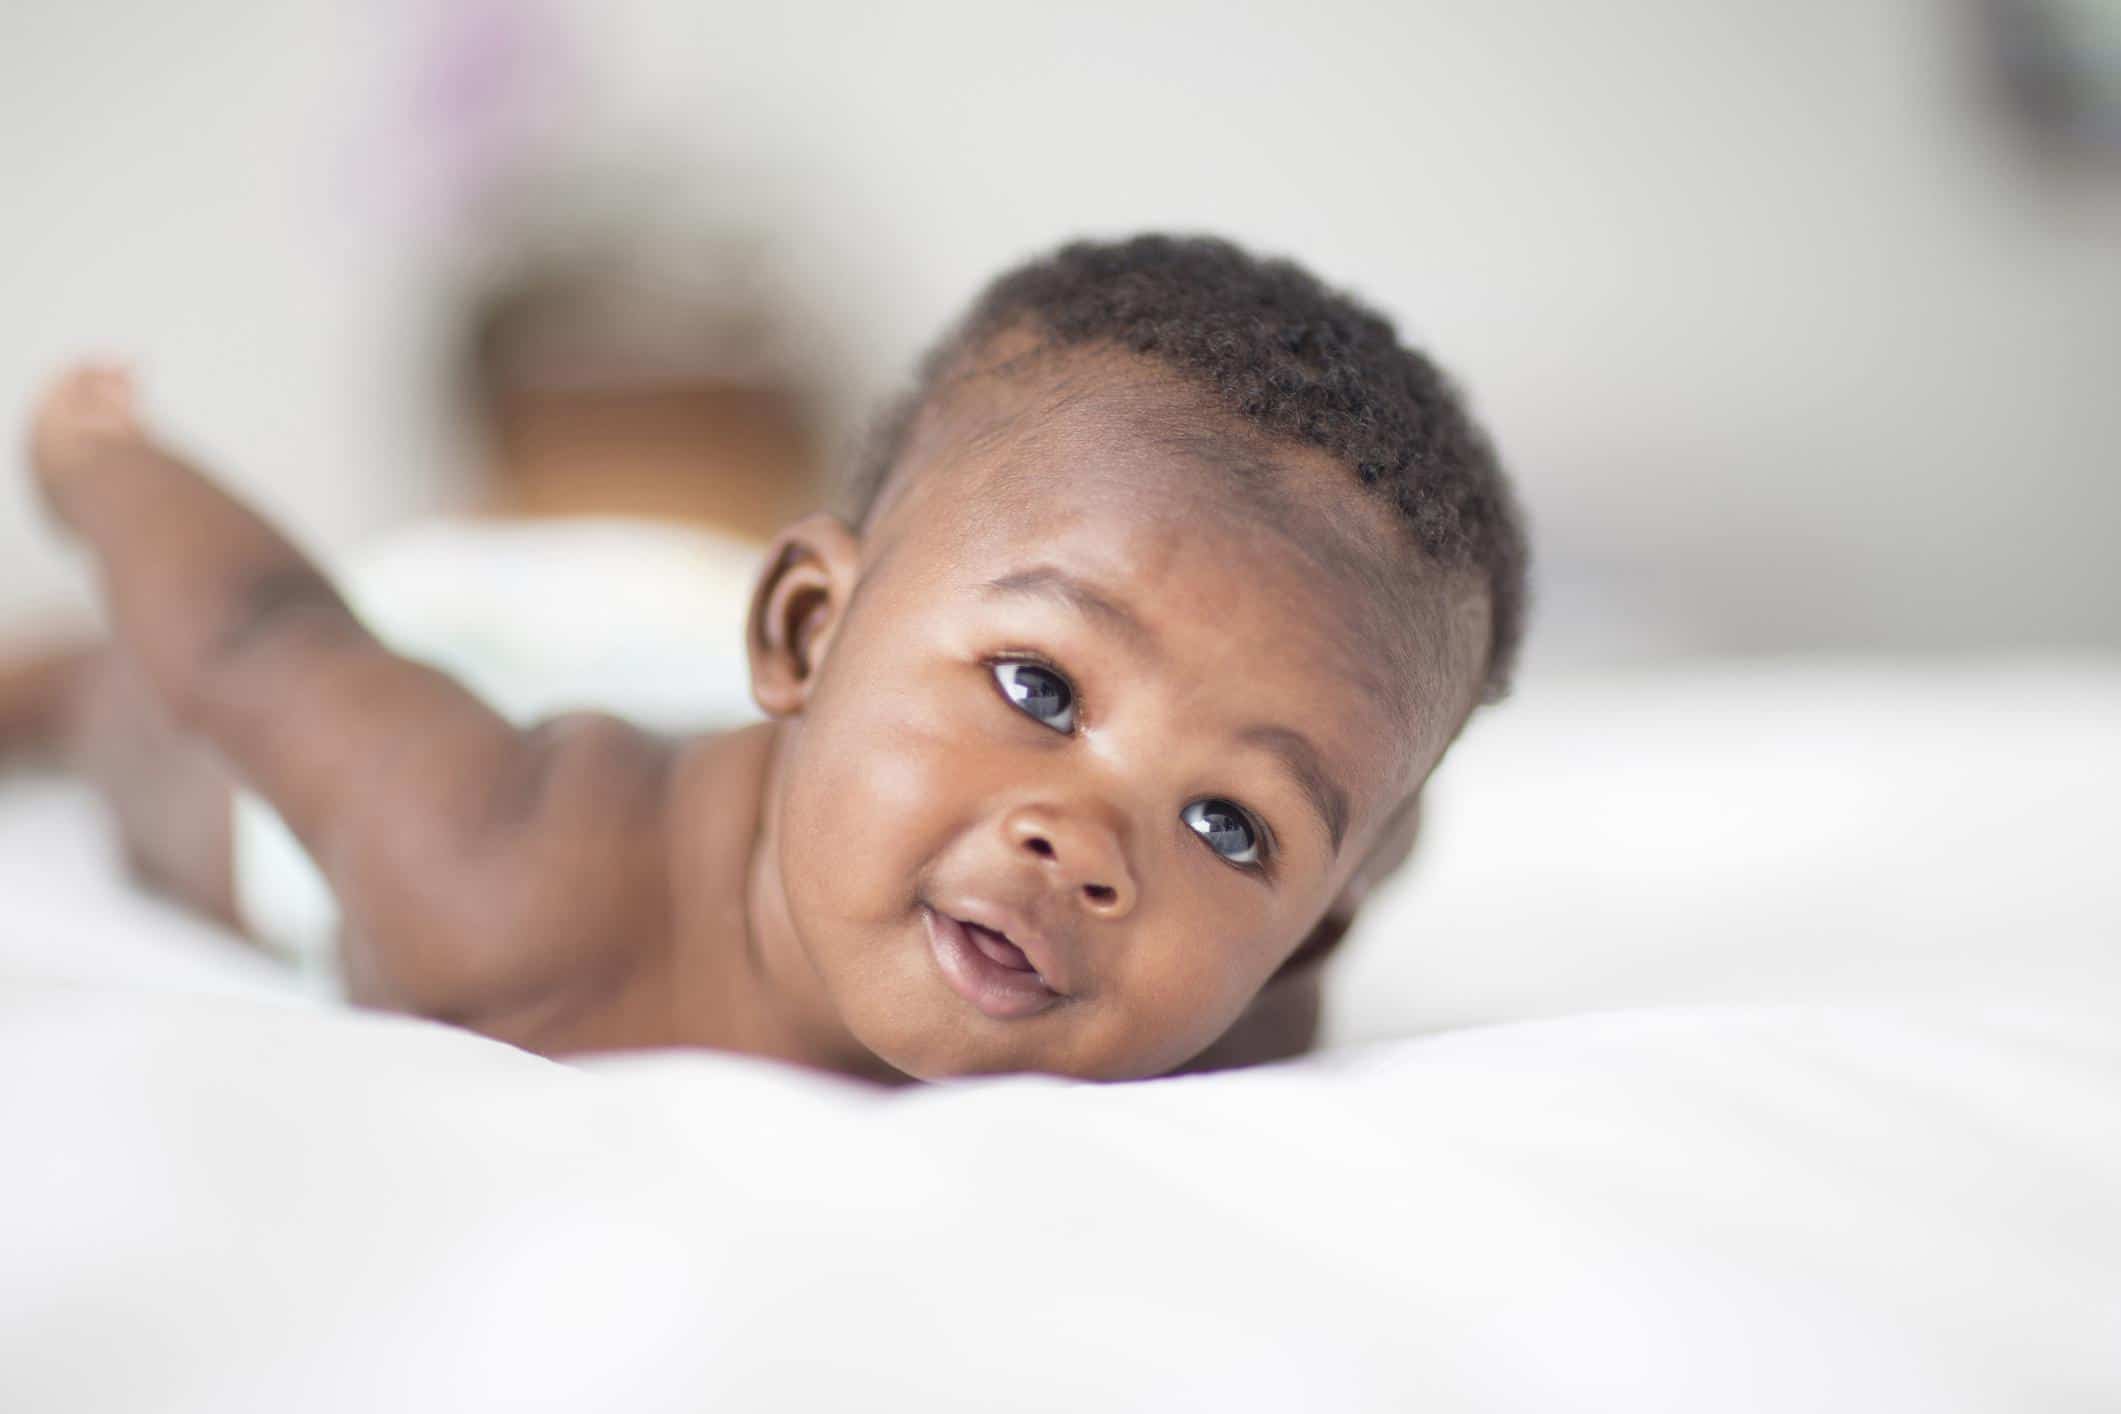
{"type": "Point", "coordinates": [946, 1050]}
{"type": "Point", "coordinates": [945, 1040]}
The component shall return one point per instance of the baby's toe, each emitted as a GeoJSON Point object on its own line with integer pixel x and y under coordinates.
{"type": "Point", "coordinates": [94, 395]}
{"type": "Point", "coordinates": [89, 407]}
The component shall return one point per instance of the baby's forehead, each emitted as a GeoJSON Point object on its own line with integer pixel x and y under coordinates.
{"type": "Point", "coordinates": [1262, 554]}
{"type": "Point", "coordinates": [1053, 432]}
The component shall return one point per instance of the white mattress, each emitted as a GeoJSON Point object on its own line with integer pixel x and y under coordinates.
{"type": "Point", "coordinates": [1763, 1056]}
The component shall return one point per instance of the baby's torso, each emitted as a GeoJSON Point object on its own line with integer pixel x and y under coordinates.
{"type": "Point", "coordinates": [627, 930]}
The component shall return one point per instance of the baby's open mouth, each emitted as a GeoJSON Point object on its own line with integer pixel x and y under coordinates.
{"type": "Point", "coordinates": [997, 946]}
{"type": "Point", "coordinates": [984, 967]}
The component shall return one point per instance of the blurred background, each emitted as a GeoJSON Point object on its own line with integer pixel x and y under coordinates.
{"type": "Point", "coordinates": [1799, 322]}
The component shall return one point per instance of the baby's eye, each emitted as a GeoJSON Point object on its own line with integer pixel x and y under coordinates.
{"type": "Point", "coordinates": [1039, 693]}
{"type": "Point", "coordinates": [1226, 828]}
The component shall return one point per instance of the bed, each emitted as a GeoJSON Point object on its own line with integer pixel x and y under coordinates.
{"type": "Point", "coordinates": [1744, 1039]}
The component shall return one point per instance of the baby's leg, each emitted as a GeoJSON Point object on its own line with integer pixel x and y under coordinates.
{"type": "Point", "coordinates": [473, 863]}
{"type": "Point", "coordinates": [92, 712]}
{"type": "Point", "coordinates": [37, 692]}
{"type": "Point", "coordinates": [168, 791]}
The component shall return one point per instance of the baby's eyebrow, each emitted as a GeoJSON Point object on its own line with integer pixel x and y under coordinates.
{"type": "Point", "coordinates": [1052, 582]}
{"type": "Point", "coordinates": [1303, 762]}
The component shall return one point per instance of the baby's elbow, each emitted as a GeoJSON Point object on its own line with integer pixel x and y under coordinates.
{"type": "Point", "coordinates": [519, 896]}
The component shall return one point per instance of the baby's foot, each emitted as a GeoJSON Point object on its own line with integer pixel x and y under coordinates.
{"type": "Point", "coordinates": [85, 414]}
{"type": "Point", "coordinates": [39, 693]}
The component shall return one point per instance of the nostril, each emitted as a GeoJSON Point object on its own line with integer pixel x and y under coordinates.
{"type": "Point", "coordinates": [1101, 895]}
{"type": "Point", "coordinates": [1039, 846]}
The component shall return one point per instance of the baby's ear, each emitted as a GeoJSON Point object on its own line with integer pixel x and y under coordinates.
{"type": "Point", "coordinates": [796, 606]}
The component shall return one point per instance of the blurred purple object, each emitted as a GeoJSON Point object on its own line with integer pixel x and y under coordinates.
{"type": "Point", "coordinates": [473, 97]}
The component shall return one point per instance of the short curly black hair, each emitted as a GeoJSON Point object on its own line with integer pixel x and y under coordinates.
{"type": "Point", "coordinates": [1269, 342]}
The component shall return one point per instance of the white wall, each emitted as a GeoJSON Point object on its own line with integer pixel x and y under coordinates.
{"type": "Point", "coordinates": [167, 200]}
{"type": "Point", "coordinates": [1788, 347]}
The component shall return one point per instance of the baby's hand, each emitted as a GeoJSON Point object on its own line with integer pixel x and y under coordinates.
{"type": "Point", "coordinates": [84, 415]}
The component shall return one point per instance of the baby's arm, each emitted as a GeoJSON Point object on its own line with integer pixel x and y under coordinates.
{"type": "Point", "coordinates": [473, 861]}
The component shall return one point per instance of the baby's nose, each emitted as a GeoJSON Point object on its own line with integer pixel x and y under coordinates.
{"type": "Point", "coordinates": [1078, 853]}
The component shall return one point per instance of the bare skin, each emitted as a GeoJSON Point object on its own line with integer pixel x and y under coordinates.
{"type": "Point", "coordinates": [907, 872]}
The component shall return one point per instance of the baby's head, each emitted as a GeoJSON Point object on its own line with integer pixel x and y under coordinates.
{"type": "Point", "coordinates": [1161, 597]}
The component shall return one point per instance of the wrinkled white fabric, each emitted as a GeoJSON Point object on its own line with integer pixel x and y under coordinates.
{"type": "Point", "coordinates": [215, 1204]}
{"type": "Point", "coordinates": [1785, 1077]}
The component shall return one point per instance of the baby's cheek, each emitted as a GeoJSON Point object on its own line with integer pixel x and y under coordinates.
{"type": "Point", "coordinates": [881, 794]}
{"type": "Point", "coordinates": [1182, 996]}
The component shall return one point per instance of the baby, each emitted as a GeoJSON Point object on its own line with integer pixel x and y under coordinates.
{"type": "Point", "coordinates": [1087, 732]}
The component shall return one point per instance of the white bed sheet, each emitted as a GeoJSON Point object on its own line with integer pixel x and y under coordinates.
{"type": "Point", "coordinates": [1820, 1108]}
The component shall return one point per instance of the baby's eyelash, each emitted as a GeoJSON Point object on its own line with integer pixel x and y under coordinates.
{"type": "Point", "coordinates": [1031, 657]}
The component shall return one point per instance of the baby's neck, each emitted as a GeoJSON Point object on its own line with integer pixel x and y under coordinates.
{"type": "Point", "coordinates": [744, 981]}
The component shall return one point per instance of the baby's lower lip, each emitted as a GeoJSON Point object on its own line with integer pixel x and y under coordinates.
{"type": "Point", "coordinates": [1002, 991]}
